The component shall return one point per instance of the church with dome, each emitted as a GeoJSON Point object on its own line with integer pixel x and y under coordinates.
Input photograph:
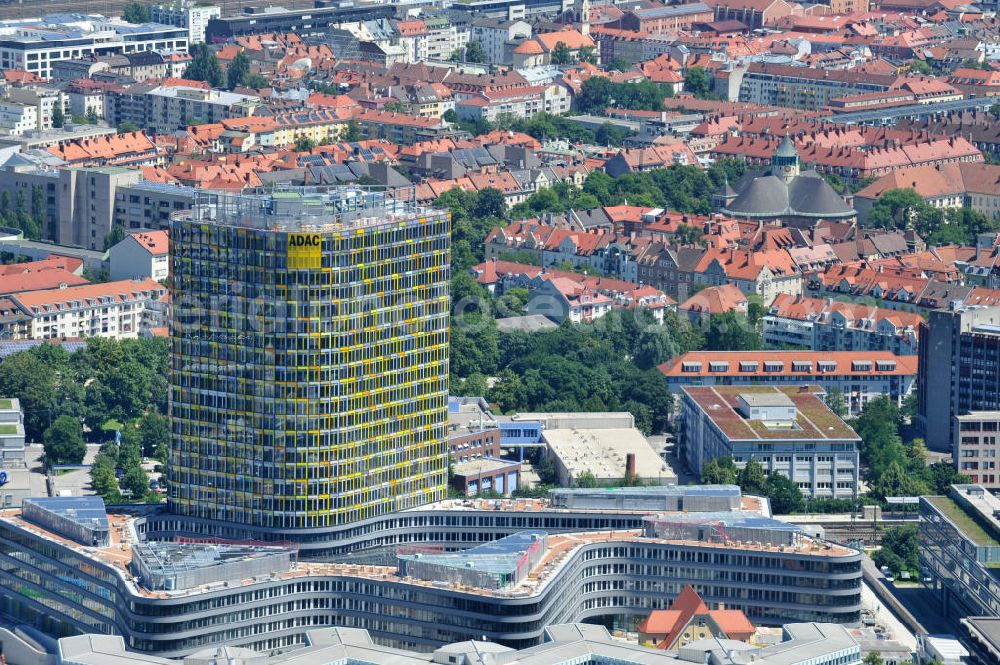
{"type": "Point", "coordinates": [784, 194]}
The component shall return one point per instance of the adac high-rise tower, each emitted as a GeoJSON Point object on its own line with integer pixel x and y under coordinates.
{"type": "Point", "coordinates": [309, 359]}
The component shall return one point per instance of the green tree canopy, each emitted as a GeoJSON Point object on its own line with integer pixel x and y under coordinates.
{"type": "Point", "coordinates": [135, 12]}
{"type": "Point", "coordinates": [719, 471]}
{"type": "Point", "coordinates": [63, 442]}
{"type": "Point", "coordinates": [474, 52]}
{"type": "Point", "coordinates": [204, 66]}
{"type": "Point", "coordinates": [785, 496]}
{"type": "Point", "coordinates": [752, 479]}
{"type": "Point", "coordinates": [696, 82]}
{"type": "Point", "coordinates": [238, 70]}
{"type": "Point", "coordinates": [561, 55]}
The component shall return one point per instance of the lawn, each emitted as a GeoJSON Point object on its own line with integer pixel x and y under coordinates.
{"type": "Point", "coordinates": [6, 404]}
{"type": "Point", "coordinates": [963, 521]}
{"type": "Point", "coordinates": [8, 429]}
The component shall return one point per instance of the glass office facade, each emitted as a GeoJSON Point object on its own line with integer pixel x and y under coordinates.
{"type": "Point", "coordinates": [309, 363]}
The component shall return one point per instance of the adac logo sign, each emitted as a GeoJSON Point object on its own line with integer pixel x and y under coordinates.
{"type": "Point", "coordinates": [305, 251]}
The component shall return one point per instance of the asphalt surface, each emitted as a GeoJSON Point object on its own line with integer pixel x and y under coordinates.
{"type": "Point", "coordinates": [925, 606]}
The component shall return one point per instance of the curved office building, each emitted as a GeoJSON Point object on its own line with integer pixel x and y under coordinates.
{"type": "Point", "coordinates": [174, 597]}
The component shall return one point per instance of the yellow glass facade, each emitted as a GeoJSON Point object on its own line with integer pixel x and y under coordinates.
{"type": "Point", "coordinates": [309, 369]}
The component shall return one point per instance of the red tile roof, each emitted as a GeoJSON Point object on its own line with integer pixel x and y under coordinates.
{"type": "Point", "coordinates": [154, 242]}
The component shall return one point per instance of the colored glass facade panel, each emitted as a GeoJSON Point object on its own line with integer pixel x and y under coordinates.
{"type": "Point", "coordinates": [309, 364]}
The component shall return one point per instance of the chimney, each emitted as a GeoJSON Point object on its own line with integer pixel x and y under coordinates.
{"type": "Point", "coordinates": [629, 466]}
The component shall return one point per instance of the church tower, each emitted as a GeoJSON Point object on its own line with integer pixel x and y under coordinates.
{"type": "Point", "coordinates": [785, 160]}
{"type": "Point", "coordinates": [582, 10]}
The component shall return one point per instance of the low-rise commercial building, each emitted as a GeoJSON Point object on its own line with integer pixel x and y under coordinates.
{"type": "Point", "coordinates": [564, 644]}
{"type": "Point", "coordinates": [960, 549]}
{"type": "Point", "coordinates": [860, 375]}
{"type": "Point", "coordinates": [605, 446]}
{"type": "Point", "coordinates": [473, 432]}
{"type": "Point", "coordinates": [975, 446]}
{"type": "Point", "coordinates": [35, 44]}
{"type": "Point", "coordinates": [788, 429]}
{"type": "Point", "coordinates": [486, 475]}
{"type": "Point", "coordinates": [610, 562]}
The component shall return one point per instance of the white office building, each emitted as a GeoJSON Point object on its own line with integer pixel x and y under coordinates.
{"type": "Point", "coordinates": [17, 118]}
{"type": "Point", "coordinates": [34, 44]}
{"type": "Point", "coordinates": [185, 15]}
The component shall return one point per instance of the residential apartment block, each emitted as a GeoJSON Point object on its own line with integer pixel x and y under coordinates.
{"type": "Point", "coordinates": [120, 310]}
{"type": "Point", "coordinates": [173, 107]}
{"type": "Point", "coordinates": [788, 429]}
{"type": "Point", "coordinates": [805, 87]}
{"type": "Point", "coordinates": [959, 369]}
{"type": "Point", "coordinates": [860, 375]}
{"type": "Point", "coordinates": [832, 325]}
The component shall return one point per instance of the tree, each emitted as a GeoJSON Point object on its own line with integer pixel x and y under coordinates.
{"type": "Point", "coordinates": [238, 70]}
{"type": "Point", "coordinates": [63, 442]}
{"type": "Point", "coordinates": [103, 478]}
{"type": "Point", "coordinates": [587, 54]}
{"type": "Point", "coordinates": [24, 376]}
{"type": "Point", "coordinates": [304, 144]}
{"type": "Point", "coordinates": [474, 52]}
{"type": "Point", "coordinates": [135, 13]}
{"type": "Point", "coordinates": [688, 234]}
{"type": "Point", "coordinates": [37, 208]}
{"type": "Point", "coordinates": [204, 66]}
{"type": "Point", "coordinates": [896, 208]}
{"type": "Point", "coordinates": [835, 400]}
{"type": "Point", "coordinates": [900, 548]}
{"type": "Point", "coordinates": [696, 82]}
{"type": "Point", "coordinates": [752, 479]}
{"type": "Point", "coordinates": [490, 203]}
{"type": "Point", "coordinates": [472, 386]}
{"type": "Point", "coordinates": [136, 481]}
{"type": "Point", "coordinates": [621, 64]}
{"type": "Point", "coordinates": [731, 331]}
{"type": "Point", "coordinates": [256, 81]}
{"type": "Point", "coordinates": [457, 55]}
{"type": "Point", "coordinates": [587, 479]}
{"type": "Point", "coordinates": [154, 435]}
{"type": "Point", "coordinates": [920, 67]}
{"type": "Point", "coordinates": [115, 236]}
{"type": "Point", "coordinates": [127, 127]}
{"type": "Point", "coordinates": [785, 496]}
{"type": "Point", "coordinates": [873, 658]}
{"type": "Point", "coordinates": [91, 116]}
{"type": "Point", "coordinates": [719, 471]}
{"type": "Point", "coordinates": [58, 117]}
{"type": "Point", "coordinates": [943, 475]}
{"type": "Point", "coordinates": [894, 481]}
{"type": "Point", "coordinates": [561, 55]}
{"type": "Point", "coordinates": [508, 392]}
{"type": "Point", "coordinates": [352, 131]}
